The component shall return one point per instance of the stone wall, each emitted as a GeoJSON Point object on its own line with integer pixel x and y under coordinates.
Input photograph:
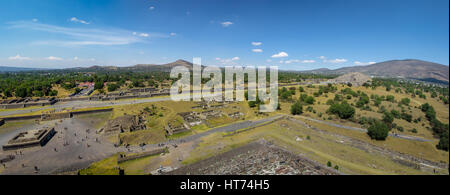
{"type": "Point", "coordinates": [123, 158]}
{"type": "Point", "coordinates": [55, 116]}
{"type": "Point", "coordinates": [66, 115]}
{"type": "Point", "coordinates": [21, 104]}
{"type": "Point", "coordinates": [40, 141]}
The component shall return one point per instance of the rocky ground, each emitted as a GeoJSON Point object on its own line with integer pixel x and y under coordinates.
{"type": "Point", "coordinates": [258, 158]}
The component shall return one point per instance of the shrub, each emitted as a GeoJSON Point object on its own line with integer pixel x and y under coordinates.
{"type": "Point", "coordinates": [406, 117]}
{"type": "Point", "coordinates": [396, 114]}
{"type": "Point", "coordinates": [297, 108]}
{"type": "Point", "coordinates": [301, 89]}
{"type": "Point", "coordinates": [378, 131]}
{"type": "Point", "coordinates": [310, 100]}
{"type": "Point", "coordinates": [443, 142]}
{"type": "Point", "coordinates": [343, 110]}
{"type": "Point", "coordinates": [388, 118]}
{"type": "Point", "coordinates": [390, 98]}
{"type": "Point", "coordinates": [405, 101]}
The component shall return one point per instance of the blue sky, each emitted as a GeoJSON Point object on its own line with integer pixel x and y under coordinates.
{"type": "Point", "coordinates": [292, 34]}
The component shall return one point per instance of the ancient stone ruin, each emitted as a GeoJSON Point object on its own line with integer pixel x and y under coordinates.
{"type": "Point", "coordinates": [191, 118]}
{"type": "Point", "coordinates": [38, 137]}
{"type": "Point", "coordinates": [196, 118]}
{"type": "Point", "coordinates": [236, 115]}
{"type": "Point", "coordinates": [174, 127]}
{"type": "Point", "coordinates": [55, 116]}
{"type": "Point", "coordinates": [126, 123]}
{"type": "Point", "coordinates": [26, 102]}
{"type": "Point", "coordinates": [355, 78]}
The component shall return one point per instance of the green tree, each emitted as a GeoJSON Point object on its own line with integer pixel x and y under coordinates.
{"type": "Point", "coordinates": [21, 92]}
{"type": "Point", "coordinates": [343, 110]}
{"type": "Point", "coordinates": [296, 108]}
{"type": "Point", "coordinates": [301, 89]}
{"type": "Point", "coordinates": [405, 101]}
{"type": "Point", "coordinates": [99, 85]}
{"type": "Point", "coordinates": [443, 141]}
{"type": "Point", "coordinates": [378, 131]}
{"type": "Point", "coordinates": [388, 118]}
{"type": "Point", "coordinates": [252, 104]}
{"type": "Point", "coordinates": [310, 100]}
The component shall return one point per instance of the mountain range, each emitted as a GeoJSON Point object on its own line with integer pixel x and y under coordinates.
{"type": "Point", "coordinates": [17, 69]}
{"type": "Point", "coordinates": [412, 69]}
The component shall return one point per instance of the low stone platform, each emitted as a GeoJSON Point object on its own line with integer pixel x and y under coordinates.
{"type": "Point", "coordinates": [31, 138]}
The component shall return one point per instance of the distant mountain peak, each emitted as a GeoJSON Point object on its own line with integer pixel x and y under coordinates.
{"type": "Point", "coordinates": [407, 68]}
{"type": "Point", "coordinates": [182, 61]}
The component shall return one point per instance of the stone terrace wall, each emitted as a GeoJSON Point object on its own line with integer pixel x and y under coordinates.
{"type": "Point", "coordinates": [67, 115]}
{"type": "Point", "coordinates": [122, 159]}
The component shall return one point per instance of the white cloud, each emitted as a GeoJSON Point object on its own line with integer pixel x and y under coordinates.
{"type": "Point", "coordinates": [84, 36]}
{"type": "Point", "coordinates": [173, 34]}
{"type": "Point", "coordinates": [144, 35]}
{"type": "Point", "coordinates": [18, 57]}
{"type": "Point", "coordinates": [280, 55]}
{"type": "Point", "coordinates": [75, 58]}
{"type": "Point", "coordinates": [34, 20]}
{"type": "Point", "coordinates": [53, 58]}
{"type": "Point", "coordinates": [226, 24]}
{"type": "Point", "coordinates": [297, 61]}
{"type": "Point", "coordinates": [363, 63]}
{"type": "Point", "coordinates": [228, 61]}
{"type": "Point", "coordinates": [335, 61]}
{"type": "Point", "coordinates": [256, 43]}
{"type": "Point", "coordinates": [76, 20]}
{"type": "Point", "coordinates": [151, 8]}
{"type": "Point", "coordinates": [268, 60]}
{"type": "Point", "coordinates": [257, 50]}
{"type": "Point", "coordinates": [308, 61]}
{"type": "Point", "coordinates": [291, 61]}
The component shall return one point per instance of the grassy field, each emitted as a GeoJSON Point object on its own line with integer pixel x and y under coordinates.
{"type": "Point", "coordinates": [62, 93]}
{"type": "Point", "coordinates": [107, 166]}
{"type": "Point", "coordinates": [137, 166]}
{"type": "Point", "coordinates": [319, 147]}
{"type": "Point", "coordinates": [423, 127]}
{"type": "Point", "coordinates": [426, 150]}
